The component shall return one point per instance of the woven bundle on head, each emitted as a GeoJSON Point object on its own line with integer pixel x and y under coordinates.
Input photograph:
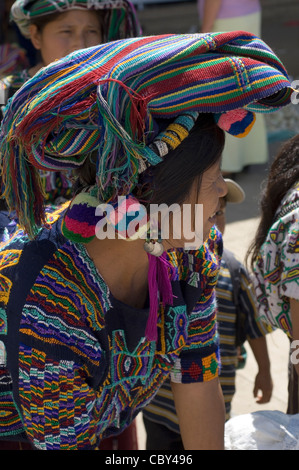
{"type": "Point", "coordinates": [107, 99]}
{"type": "Point", "coordinates": [119, 16]}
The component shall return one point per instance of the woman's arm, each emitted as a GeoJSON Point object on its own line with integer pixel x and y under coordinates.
{"type": "Point", "coordinates": [263, 380]}
{"type": "Point", "coordinates": [200, 409]}
{"type": "Point", "coordinates": [211, 9]}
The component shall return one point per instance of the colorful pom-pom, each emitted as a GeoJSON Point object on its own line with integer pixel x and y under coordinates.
{"type": "Point", "coordinates": [237, 122]}
{"type": "Point", "coordinates": [87, 217]}
{"type": "Point", "coordinates": [80, 220]}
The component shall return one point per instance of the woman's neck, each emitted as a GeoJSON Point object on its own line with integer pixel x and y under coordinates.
{"type": "Point", "coordinates": [33, 70]}
{"type": "Point", "coordinates": [124, 267]}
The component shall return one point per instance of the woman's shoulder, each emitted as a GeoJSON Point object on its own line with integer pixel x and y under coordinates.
{"type": "Point", "coordinates": [18, 253]}
{"type": "Point", "coordinates": [51, 263]}
{"type": "Point", "coordinates": [202, 263]}
{"type": "Point", "coordinates": [290, 202]}
{"type": "Point", "coordinates": [283, 234]}
{"type": "Point", "coordinates": [286, 219]}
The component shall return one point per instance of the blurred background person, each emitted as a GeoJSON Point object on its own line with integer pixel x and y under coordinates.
{"type": "Point", "coordinates": [236, 15]}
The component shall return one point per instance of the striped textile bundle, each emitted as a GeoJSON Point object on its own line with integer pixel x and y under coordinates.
{"type": "Point", "coordinates": [120, 19]}
{"type": "Point", "coordinates": [107, 99]}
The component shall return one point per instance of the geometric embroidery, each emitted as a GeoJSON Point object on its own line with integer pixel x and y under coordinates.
{"type": "Point", "coordinates": [3, 322]}
{"type": "Point", "coordinates": [177, 328]}
{"type": "Point", "coordinates": [10, 421]}
{"type": "Point", "coordinates": [69, 388]}
{"type": "Point", "coordinates": [130, 366]}
{"type": "Point", "coordinates": [5, 288]}
{"type": "Point", "coordinates": [9, 258]}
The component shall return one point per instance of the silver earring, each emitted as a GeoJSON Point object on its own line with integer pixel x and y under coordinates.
{"type": "Point", "coordinates": [154, 247]}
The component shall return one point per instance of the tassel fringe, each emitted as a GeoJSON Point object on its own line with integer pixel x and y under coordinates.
{"type": "Point", "coordinates": [160, 290]}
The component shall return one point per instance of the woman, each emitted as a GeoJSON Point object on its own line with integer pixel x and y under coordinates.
{"type": "Point", "coordinates": [57, 29]}
{"type": "Point", "coordinates": [233, 15]}
{"type": "Point", "coordinates": [275, 257]}
{"type": "Point", "coordinates": [100, 322]}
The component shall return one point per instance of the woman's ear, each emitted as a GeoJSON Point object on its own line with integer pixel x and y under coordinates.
{"type": "Point", "coordinates": [35, 36]}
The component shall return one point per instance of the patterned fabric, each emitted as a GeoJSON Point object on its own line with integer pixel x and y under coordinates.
{"type": "Point", "coordinates": [12, 58]}
{"type": "Point", "coordinates": [107, 99]}
{"type": "Point", "coordinates": [56, 186]}
{"type": "Point", "coordinates": [162, 409]}
{"type": "Point", "coordinates": [276, 272]}
{"type": "Point", "coordinates": [120, 18]}
{"type": "Point", "coordinates": [172, 136]}
{"type": "Point", "coordinates": [75, 365]}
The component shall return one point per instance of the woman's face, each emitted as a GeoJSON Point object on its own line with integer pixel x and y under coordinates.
{"type": "Point", "coordinates": [70, 31]}
{"type": "Point", "coordinates": [212, 188]}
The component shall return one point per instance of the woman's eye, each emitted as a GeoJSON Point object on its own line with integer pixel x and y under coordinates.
{"type": "Point", "coordinates": [94, 32]}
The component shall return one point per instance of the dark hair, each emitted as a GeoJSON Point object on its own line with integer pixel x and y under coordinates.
{"type": "Point", "coordinates": [170, 181]}
{"type": "Point", "coordinates": [283, 174]}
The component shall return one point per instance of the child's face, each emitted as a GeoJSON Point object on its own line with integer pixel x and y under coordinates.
{"type": "Point", "coordinates": [70, 31]}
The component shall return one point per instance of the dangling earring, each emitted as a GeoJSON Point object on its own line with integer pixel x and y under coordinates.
{"type": "Point", "coordinates": [154, 247]}
{"type": "Point", "coordinates": [153, 243]}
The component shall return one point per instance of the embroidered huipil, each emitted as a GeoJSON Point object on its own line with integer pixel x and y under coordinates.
{"type": "Point", "coordinates": [75, 364]}
{"type": "Point", "coordinates": [162, 408]}
{"type": "Point", "coordinates": [276, 272]}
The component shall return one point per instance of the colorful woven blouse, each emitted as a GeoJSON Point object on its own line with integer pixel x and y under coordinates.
{"type": "Point", "coordinates": [75, 365]}
{"type": "Point", "coordinates": [276, 273]}
{"type": "Point", "coordinates": [162, 409]}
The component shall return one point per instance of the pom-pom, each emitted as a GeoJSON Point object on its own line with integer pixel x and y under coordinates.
{"type": "Point", "coordinates": [238, 122]}
{"type": "Point", "coordinates": [79, 222]}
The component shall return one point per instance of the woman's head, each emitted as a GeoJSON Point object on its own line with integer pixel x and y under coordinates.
{"type": "Point", "coordinates": [60, 27]}
{"type": "Point", "coordinates": [189, 174]}
{"type": "Point", "coordinates": [172, 179]}
{"type": "Point", "coordinates": [109, 99]}
{"type": "Point", "coordinates": [57, 35]}
{"type": "Point", "coordinates": [283, 174]}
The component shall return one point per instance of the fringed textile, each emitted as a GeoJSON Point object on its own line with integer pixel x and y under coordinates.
{"type": "Point", "coordinates": [106, 100]}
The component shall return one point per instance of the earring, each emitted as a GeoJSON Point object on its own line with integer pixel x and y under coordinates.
{"type": "Point", "coordinates": [154, 247]}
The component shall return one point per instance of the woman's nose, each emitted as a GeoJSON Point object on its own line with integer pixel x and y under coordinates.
{"type": "Point", "coordinates": [79, 41]}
